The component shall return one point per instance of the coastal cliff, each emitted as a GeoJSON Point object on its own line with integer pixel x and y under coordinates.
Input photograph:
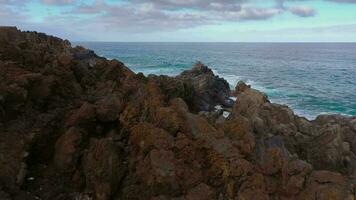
{"type": "Point", "coordinates": [74, 125]}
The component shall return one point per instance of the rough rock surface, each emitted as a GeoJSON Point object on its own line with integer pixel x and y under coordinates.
{"type": "Point", "coordinates": [77, 126]}
{"type": "Point", "coordinates": [210, 90]}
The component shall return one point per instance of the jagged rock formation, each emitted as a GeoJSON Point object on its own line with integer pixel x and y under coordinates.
{"type": "Point", "coordinates": [210, 90]}
{"type": "Point", "coordinates": [77, 126]}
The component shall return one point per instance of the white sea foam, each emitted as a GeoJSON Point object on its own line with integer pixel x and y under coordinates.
{"type": "Point", "coordinates": [226, 114]}
{"type": "Point", "coordinates": [230, 78]}
{"type": "Point", "coordinates": [305, 114]}
{"type": "Point", "coordinates": [234, 79]}
{"type": "Point", "coordinates": [334, 113]}
{"type": "Point", "coordinates": [233, 98]}
{"type": "Point", "coordinates": [215, 72]}
{"type": "Point", "coordinates": [218, 107]}
{"type": "Point", "coordinates": [107, 58]}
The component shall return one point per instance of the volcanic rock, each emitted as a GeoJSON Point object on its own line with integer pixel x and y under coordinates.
{"type": "Point", "coordinates": [74, 125]}
{"type": "Point", "coordinates": [210, 90]}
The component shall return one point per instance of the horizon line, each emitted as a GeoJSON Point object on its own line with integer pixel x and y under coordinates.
{"type": "Point", "coordinates": [282, 42]}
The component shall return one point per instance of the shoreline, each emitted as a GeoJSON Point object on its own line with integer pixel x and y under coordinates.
{"type": "Point", "coordinates": [319, 102]}
{"type": "Point", "coordinates": [300, 112]}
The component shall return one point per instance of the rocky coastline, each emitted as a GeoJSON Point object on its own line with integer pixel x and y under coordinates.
{"type": "Point", "coordinates": [74, 125]}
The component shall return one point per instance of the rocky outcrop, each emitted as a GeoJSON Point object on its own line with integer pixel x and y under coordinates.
{"type": "Point", "coordinates": [77, 126]}
{"type": "Point", "coordinates": [324, 142]}
{"type": "Point", "coordinates": [210, 90]}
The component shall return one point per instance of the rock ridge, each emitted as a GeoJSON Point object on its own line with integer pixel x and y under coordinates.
{"type": "Point", "coordinates": [74, 125]}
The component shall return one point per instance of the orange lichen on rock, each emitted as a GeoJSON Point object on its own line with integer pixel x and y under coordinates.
{"type": "Point", "coordinates": [74, 125]}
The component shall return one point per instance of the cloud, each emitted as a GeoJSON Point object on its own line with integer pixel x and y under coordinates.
{"type": "Point", "coordinates": [157, 15]}
{"type": "Point", "coordinates": [58, 2]}
{"type": "Point", "coordinates": [13, 2]}
{"type": "Point", "coordinates": [10, 1]}
{"type": "Point", "coordinates": [131, 16]}
{"type": "Point", "coordinates": [142, 17]}
{"type": "Point", "coordinates": [225, 5]}
{"type": "Point", "coordinates": [7, 17]}
{"type": "Point", "coordinates": [257, 13]}
{"type": "Point", "coordinates": [9, 12]}
{"type": "Point", "coordinates": [280, 4]}
{"type": "Point", "coordinates": [302, 11]}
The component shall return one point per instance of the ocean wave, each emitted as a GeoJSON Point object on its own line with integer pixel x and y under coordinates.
{"type": "Point", "coordinates": [230, 78]}
{"type": "Point", "coordinates": [304, 113]}
{"type": "Point", "coordinates": [234, 79]}
{"type": "Point", "coordinates": [274, 95]}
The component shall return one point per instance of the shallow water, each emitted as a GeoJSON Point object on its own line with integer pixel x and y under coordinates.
{"type": "Point", "coordinates": [311, 78]}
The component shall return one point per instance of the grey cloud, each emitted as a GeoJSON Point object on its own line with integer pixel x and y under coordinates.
{"type": "Point", "coordinates": [153, 15]}
{"type": "Point", "coordinates": [58, 2]}
{"type": "Point", "coordinates": [280, 4]}
{"type": "Point", "coordinates": [141, 18]}
{"type": "Point", "coordinates": [226, 5]}
{"type": "Point", "coordinates": [10, 1]}
{"type": "Point", "coordinates": [157, 15]}
{"type": "Point", "coordinates": [10, 17]}
{"type": "Point", "coordinates": [13, 2]}
{"type": "Point", "coordinates": [257, 13]}
{"type": "Point", "coordinates": [302, 11]}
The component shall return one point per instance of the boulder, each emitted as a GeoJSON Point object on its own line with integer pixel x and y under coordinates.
{"type": "Point", "coordinates": [210, 90]}
{"type": "Point", "coordinates": [249, 103]}
{"type": "Point", "coordinates": [241, 87]}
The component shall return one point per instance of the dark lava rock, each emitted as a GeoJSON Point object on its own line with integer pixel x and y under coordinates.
{"type": "Point", "coordinates": [210, 90]}
{"type": "Point", "coordinates": [76, 126]}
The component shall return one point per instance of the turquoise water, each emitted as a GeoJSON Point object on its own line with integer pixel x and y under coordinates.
{"type": "Point", "coordinates": [312, 79]}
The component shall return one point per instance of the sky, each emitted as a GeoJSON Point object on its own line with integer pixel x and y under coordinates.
{"type": "Point", "coordinates": [186, 20]}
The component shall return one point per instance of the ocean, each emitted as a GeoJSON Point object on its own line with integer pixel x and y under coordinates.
{"type": "Point", "coordinates": [311, 78]}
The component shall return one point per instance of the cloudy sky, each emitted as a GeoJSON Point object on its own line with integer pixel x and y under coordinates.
{"type": "Point", "coordinates": [186, 20]}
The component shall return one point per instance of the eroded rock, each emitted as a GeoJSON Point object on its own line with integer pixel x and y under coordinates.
{"type": "Point", "coordinates": [92, 129]}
